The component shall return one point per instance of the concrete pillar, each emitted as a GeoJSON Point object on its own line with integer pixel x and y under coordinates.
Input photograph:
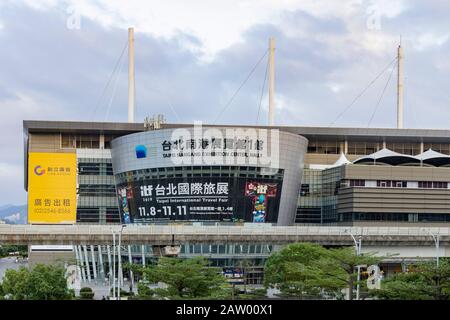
{"type": "Point", "coordinates": [94, 265]}
{"type": "Point", "coordinates": [100, 262]}
{"type": "Point", "coordinates": [83, 268]}
{"type": "Point", "coordinates": [88, 271]}
{"type": "Point", "coordinates": [80, 263]}
{"type": "Point", "coordinates": [143, 254]}
{"type": "Point", "coordinates": [102, 141]}
{"type": "Point", "coordinates": [108, 250]}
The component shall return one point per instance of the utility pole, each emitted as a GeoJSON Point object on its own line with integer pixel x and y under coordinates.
{"type": "Point", "coordinates": [400, 87]}
{"type": "Point", "coordinates": [271, 81]}
{"type": "Point", "coordinates": [131, 85]}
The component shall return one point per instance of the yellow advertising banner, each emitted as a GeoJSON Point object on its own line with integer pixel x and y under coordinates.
{"type": "Point", "coordinates": [52, 188]}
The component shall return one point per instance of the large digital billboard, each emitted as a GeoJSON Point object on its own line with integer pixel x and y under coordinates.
{"type": "Point", "coordinates": [200, 199]}
{"type": "Point", "coordinates": [52, 194]}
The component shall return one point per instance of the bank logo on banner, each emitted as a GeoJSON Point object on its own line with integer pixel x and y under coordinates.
{"type": "Point", "coordinates": [38, 170]}
{"type": "Point", "coordinates": [141, 151]}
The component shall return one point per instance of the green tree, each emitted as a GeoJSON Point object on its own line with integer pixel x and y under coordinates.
{"type": "Point", "coordinates": [6, 249]}
{"type": "Point", "coordinates": [43, 282]}
{"type": "Point", "coordinates": [286, 270]}
{"type": "Point", "coordinates": [86, 293]}
{"type": "Point", "coordinates": [184, 279]}
{"type": "Point", "coordinates": [305, 270]}
{"type": "Point", "coordinates": [423, 281]}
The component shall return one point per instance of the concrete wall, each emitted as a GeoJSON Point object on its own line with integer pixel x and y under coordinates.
{"type": "Point", "coordinates": [50, 257]}
{"type": "Point", "coordinates": [46, 142]}
{"type": "Point", "coordinates": [401, 200]}
{"type": "Point", "coordinates": [404, 173]}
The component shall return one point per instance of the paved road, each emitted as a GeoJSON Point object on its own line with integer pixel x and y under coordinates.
{"type": "Point", "coordinates": [8, 263]}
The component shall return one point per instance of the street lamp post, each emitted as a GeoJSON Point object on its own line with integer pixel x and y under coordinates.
{"type": "Point", "coordinates": [358, 267]}
{"type": "Point", "coordinates": [114, 264]}
{"type": "Point", "coordinates": [436, 243]}
{"type": "Point", "coordinates": [119, 257]}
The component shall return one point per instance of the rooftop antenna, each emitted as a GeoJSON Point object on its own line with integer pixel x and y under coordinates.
{"type": "Point", "coordinates": [400, 85]}
{"type": "Point", "coordinates": [131, 85]}
{"type": "Point", "coordinates": [271, 81]}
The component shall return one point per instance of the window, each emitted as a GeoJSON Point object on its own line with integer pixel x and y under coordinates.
{"type": "Point", "coordinates": [97, 190]}
{"type": "Point", "coordinates": [404, 148]}
{"type": "Point", "coordinates": [89, 168]}
{"type": "Point", "coordinates": [88, 215]}
{"type": "Point", "coordinates": [81, 141]}
{"type": "Point", "coordinates": [438, 147]}
{"type": "Point", "coordinates": [108, 139]}
{"type": "Point", "coordinates": [434, 185]}
{"type": "Point", "coordinates": [109, 169]}
{"type": "Point", "coordinates": [327, 147]}
{"type": "Point", "coordinates": [68, 141]}
{"type": "Point", "coordinates": [357, 183]}
{"type": "Point", "coordinates": [391, 184]}
{"type": "Point", "coordinates": [363, 148]}
{"type": "Point", "coordinates": [383, 183]}
{"type": "Point", "coordinates": [304, 191]}
{"type": "Point", "coordinates": [112, 215]}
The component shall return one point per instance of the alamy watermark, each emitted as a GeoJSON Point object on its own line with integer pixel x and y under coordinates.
{"type": "Point", "coordinates": [373, 11]}
{"type": "Point", "coordinates": [73, 21]}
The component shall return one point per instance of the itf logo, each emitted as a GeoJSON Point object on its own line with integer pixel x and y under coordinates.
{"type": "Point", "coordinates": [141, 151]}
{"type": "Point", "coordinates": [39, 171]}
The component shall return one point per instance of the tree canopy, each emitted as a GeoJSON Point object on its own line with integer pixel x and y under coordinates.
{"type": "Point", "coordinates": [306, 270]}
{"type": "Point", "coordinates": [184, 279]}
{"type": "Point", "coordinates": [423, 281]}
{"type": "Point", "coordinates": [43, 282]}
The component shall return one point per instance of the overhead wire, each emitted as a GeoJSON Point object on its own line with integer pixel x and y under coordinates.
{"type": "Point", "coordinates": [381, 96]}
{"type": "Point", "coordinates": [262, 92]}
{"type": "Point", "coordinates": [109, 80]}
{"type": "Point", "coordinates": [240, 87]}
{"type": "Point", "coordinates": [362, 92]}
{"type": "Point", "coordinates": [114, 91]}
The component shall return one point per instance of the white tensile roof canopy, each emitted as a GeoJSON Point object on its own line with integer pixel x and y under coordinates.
{"type": "Point", "coordinates": [386, 156]}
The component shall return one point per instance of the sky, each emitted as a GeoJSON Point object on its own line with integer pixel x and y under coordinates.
{"type": "Point", "coordinates": [57, 57]}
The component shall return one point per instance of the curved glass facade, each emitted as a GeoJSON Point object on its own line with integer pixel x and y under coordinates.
{"type": "Point", "coordinates": [219, 174]}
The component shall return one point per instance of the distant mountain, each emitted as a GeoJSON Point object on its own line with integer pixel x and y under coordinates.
{"type": "Point", "coordinates": [14, 214]}
{"type": "Point", "coordinates": [6, 206]}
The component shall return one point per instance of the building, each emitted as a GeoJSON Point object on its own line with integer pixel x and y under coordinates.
{"type": "Point", "coordinates": [394, 189]}
{"type": "Point", "coordinates": [100, 173]}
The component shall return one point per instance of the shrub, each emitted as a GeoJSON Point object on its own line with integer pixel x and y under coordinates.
{"type": "Point", "coordinates": [86, 293]}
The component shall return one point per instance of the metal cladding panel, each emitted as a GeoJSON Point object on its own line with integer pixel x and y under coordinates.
{"type": "Point", "coordinates": [264, 149]}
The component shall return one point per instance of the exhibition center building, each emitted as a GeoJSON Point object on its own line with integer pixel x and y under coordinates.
{"type": "Point", "coordinates": [135, 173]}
{"type": "Point", "coordinates": [100, 173]}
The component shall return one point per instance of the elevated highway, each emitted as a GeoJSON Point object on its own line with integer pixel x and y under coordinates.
{"type": "Point", "coordinates": [220, 234]}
